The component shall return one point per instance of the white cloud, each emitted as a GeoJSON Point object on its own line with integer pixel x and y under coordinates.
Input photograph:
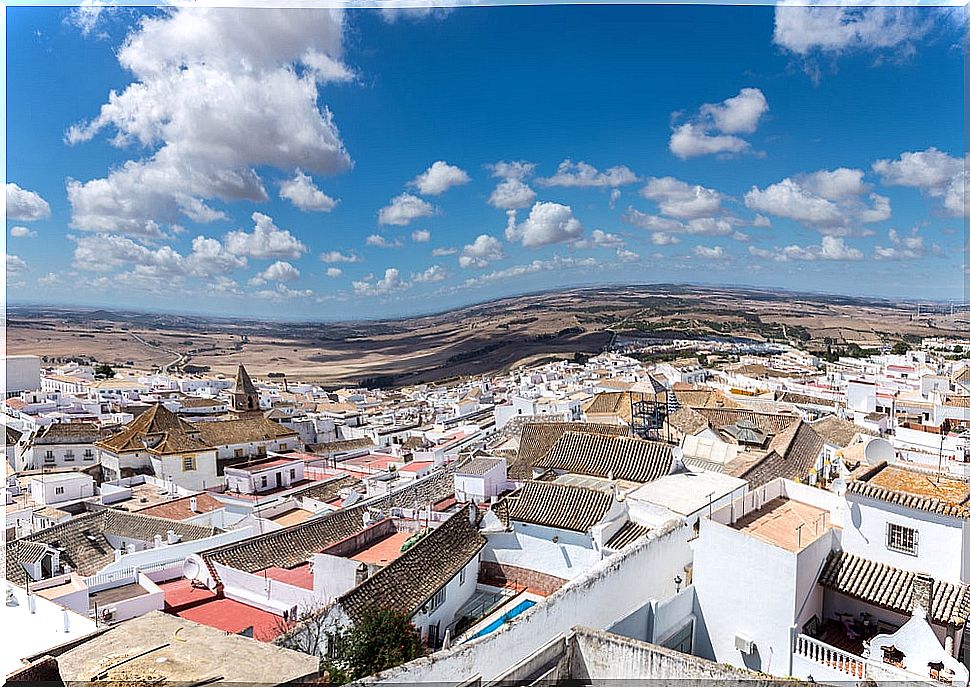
{"type": "Point", "coordinates": [737, 115]}
{"type": "Point", "coordinates": [662, 238]}
{"type": "Point", "coordinates": [625, 255]}
{"type": "Point", "coordinates": [378, 241]}
{"type": "Point", "coordinates": [283, 292]}
{"type": "Point", "coordinates": [443, 251]}
{"type": "Point", "coordinates": [404, 209]}
{"type": "Point", "coordinates": [603, 239]}
{"type": "Point", "coordinates": [86, 15]}
{"type": "Point", "coordinates": [761, 222]}
{"type": "Point", "coordinates": [389, 283]}
{"type": "Point", "coordinates": [512, 170]}
{"type": "Point", "coordinates": [679, 199]}
{"type": "Point", "coordinates": [278, 271]}
{"type": "Point", "coordinates": [438, 178]}
{"type": "Point", "coordinates": [512, 194]}
{"type": "Point", "coordinates": [836, 28]}
{"type": "Point", "coordinates": [105, 252]}
{"type": "Point", "coordinates": [416, 10]}
{"type": "Point", "coordinates": [546, 224]}
{"type": "Point", "coordinates": [24, 205]}
{"type": "Point", "coordinates": [15, 265]}
{"type": "Point", "coordinates": [830, 201]}
{"type": "Point", "coordinates": [334, 272]}
{"type": "Point", "coordinates": [22, 232]}
{"type": "Point", "coordinates": [704, 226]}
{"type": "Point", "coordinates": [710, 253]}
{"type": "Point", "coordinates": [711, 131]}
{"type": "Point", "coordinates": [554, 264]}
{"type": "Point", "coordinates": [217, 93]}
{"type": "Point", "coordinates": [483, 250]}
{"type": "Point", "coordinates": [421, 236]}
{"type": "Point", "coordinates": [932, 171]}
{"type": "Point", "coordinates": [432, 274]}
{"type": "Point", "coordinates": [902, 247]}
{"type": "Point", "coordinates": [615, 196]}
{"type": "Point", "coordinates": [582, 174]}
{"type": "Point", "coordinates": [303, 193]}
{"type": "Point", "coordinates": [335, 256]}
{"type": "Point", "coordinates": [831, 248]}
{"type": "Point", "coordinates": [266, 241]}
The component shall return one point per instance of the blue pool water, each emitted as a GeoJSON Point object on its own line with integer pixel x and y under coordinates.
{"type": "Point", "coordinates": [523, 605]}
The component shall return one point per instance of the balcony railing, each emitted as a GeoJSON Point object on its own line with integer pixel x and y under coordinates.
{"type": "Point", "coordinates": [836, 659]}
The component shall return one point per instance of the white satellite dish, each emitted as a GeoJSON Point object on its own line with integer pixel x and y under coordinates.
{"type": "Point", "coordinates": [879, 451]}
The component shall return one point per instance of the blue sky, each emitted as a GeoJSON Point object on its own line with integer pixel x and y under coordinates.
{"type": "Point", "coordinates": [331, 165]}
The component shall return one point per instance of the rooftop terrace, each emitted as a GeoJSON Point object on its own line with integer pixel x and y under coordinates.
{"type": "Point", "coordinates": [792, 525]}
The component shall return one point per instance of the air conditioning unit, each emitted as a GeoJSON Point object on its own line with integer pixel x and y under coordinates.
{"type": "Point", "coordinates": [743, 643]}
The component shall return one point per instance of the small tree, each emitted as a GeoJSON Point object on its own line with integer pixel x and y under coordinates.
{"type": "Point", "coordinates": [104, 370]}
{"type": "Point", "coordinates": [901, 348]}
{"type": "Point", "coordinates": [382, 639]}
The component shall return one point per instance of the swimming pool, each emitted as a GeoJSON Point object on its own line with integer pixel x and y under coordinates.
{"type": "Point", "coordinates": [519, 608]}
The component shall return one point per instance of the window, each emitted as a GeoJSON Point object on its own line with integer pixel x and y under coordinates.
{"type": "Point", "coordinates": [461, 577]}
{"type": "Point", "coordinates": [901, 539]}
{"type": "Point", "coordinates": [88, 454]}
{"type": "Point", "coordinates": [292, 473]}
{"type": "Point", "coordinates": [262, 481]}
{"type": "Point", "coordinates": [49, 456]}
{"type": "Point", "coordinates": [69, 456]}
{"type": "Point", "coordinates": [58, 490]}
{"type": "Point", "coordinates": [238, 453]}
{"type": "Point", "coordinates": [436, 600]}
{"type": "Point", "coordinates": [188, 463]}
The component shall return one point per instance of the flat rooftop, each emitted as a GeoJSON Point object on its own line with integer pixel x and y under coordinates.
{"type": "Point", "coordinates": [792, 525]}
{"type": "Point", "coordinates": [686, 493]}
{"type": "Point", "coordinates": [106, 597]}
{"type": "Point", "coordinates": [292, 517]}
{"type": "Point", "coordinates": [204, 607]}
{"type": "Point", "coordinates": [384, 550]}
{"type": "Point", "coordinates": [924, 484]}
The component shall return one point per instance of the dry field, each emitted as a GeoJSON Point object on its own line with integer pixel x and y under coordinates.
{"type": "Point", "coordinates": [475, 339]}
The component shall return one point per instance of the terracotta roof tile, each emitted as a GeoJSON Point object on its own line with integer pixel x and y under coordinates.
{"type": "Point", "coordinates": [613, 457]}
{"type": "Point", "coordinates": [558, 505]}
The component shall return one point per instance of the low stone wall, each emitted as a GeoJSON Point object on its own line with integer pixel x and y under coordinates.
{"type": "Point", "coordinates": [501, 574]}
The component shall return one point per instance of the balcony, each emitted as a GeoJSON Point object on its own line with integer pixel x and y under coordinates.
{"type": "Point", "coordinates": [825, 662]}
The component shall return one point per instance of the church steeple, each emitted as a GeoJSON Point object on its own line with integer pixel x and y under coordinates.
{"type": "Point", "coordinates": [245, 398]}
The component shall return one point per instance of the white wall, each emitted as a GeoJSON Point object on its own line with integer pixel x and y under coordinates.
{"type": "Point", "coordinates": [941, 550]}
{"type": "Point", "coordinates": [531, 546]}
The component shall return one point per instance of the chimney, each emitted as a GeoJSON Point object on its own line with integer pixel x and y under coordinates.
{"type": "Point", "coordinates": [67, 621]}
{"type": "Point", "coordinates": [923, 592]}
{"type": "Point", "coordinates": [158, 541]}
{"type": "Point", "coordinates": [360, 574]}
{"type": "Point", "coordinates": [193, 504]}
{"type": "Point", "coordinates": [172, 539]}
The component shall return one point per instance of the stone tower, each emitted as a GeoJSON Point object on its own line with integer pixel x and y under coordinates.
{"type": "Point", "coordinates": [245, 399]}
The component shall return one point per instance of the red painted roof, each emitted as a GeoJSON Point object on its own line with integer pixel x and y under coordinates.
{"type": "Point", "coordinates": [202, 606]}
{"type": "Point", "coordinates": [263, 465]}
{"type": "Point", "coordinates": [300, 576]}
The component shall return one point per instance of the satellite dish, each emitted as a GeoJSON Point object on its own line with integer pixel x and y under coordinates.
{"type": "Point", "coordinates": [879, 451]}
{"type": "Point", "coordinates": [191, 569]}
{"type": "Point", "coordinates": [839, 486]}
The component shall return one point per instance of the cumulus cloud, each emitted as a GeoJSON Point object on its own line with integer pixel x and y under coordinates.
{"type": "Point", "coordinates": [582, 174]}
{"type": "Point", "coordinates": [830, 201]}
{"type": "Point", "coordinates": [334, 272]}
{"type": "Point", "coordinates": [24, 205]}
{"type": "Point", "coordinates": [278, 271]}
{"type": "Point", "coordinates": [390, 283]}
{"type": "Point", "coordinates": [479, 253]}
{"type": "Point", "coordinates": [831, 248]}
{"type": "Point", "coordinates": [421, 236]}
{"type": "Point", "coordinates": [266, 241]}
{"type": "Point", "coordinates": [217, 93]}
{"type": "Point", "coordinates": [663, 238]}
{"type": "Point", "coordinates": [443, 251]}
{"type": "Point", "coordinates": [546, 224]}
{"type": "Point", "coordinates": [710, 252]}
{"type": "Point", "coordinates": [438, 178]}
{"type": "Point", "coordinates": [556, 263]}
{"type": "Point", "coordinates": [902, 247]}
{"type": "Point", "coordinates": [624, 255]}
{"type": "Point", "coordinates": [679, 199]}
{"type": "Point", "coordinates": [304, 194]}
{"type": "Point", "coordinates": [933, 172]}
{"type": "Point", "coordinates": [283, 292]}
{"type": "Point", "coordinates": [432, 274]}
{"type": "Point", "coordinates": [703, 226]}
{"type": "Point", "coordinates": [712, 131]}
{"type": "Point", "coordinates": [512, 194]}
{"type": "Point", "coordinates": [404, 209]}
{"type": "Point", "coordinates": [519, 169]}
{"type": "Point", "coordinates": [106, 252]}
{"type": "Point", "coordinates": [335, 256]}
{"type": "Point", "coordinates": [816, 27]}
{"type": "Point", "coordinates": [601, 239]}
{"type": "Point", "coordinates": [378, 241]}
{"type": "Point", "coordinates": [22, 232]}
{"type": "Point", "coordinates": [15, 265]}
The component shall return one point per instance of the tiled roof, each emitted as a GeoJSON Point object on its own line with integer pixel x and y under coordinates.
{"type": "Point", "coordinates": [626, 458]}
{"type": "Point", "coordinates": [892, 588]}
{"type": "Point", "coordinates": [293, 545]}
{"type": "Point", "coordinates": [558, 505]}
{"type": "Point", "coordinates": [914, 489]}
{"type": "Point", "coordinates": [83, 544]}
{"type": "Point", "coordinates": [791, 454]}
{"type": "Point", "coordinates": [687, 420]}
{"type": "Point", "coordinates": [68, 432]}
{"type": "Point", "coordinates": [153, 425]}
{"type": "Point", "coordinates": [411, 579]}
{"type": "Point", "coordinates": [770, 423]}
{"type": "Point", "coordinates": [242, 431]}
{"type": "Point", "coordinates": [180, 509]}
{"type": "Point", "coordinates": [611, 403]}
{"type": "Point", "coordinates": [341, 445]}
{"type": "Point", "coordinates": [802, 399]}
{"type": "Point", "coordinates": [538, 437]}
{"type": "Point", "coordinates": [629, 533]}
{"type": "Point", "coordinates": [837, 431]}
{"type": "Point", "coordinates": [243, 384]}
{"type": "Point", "coordinates": [479, 466]}
{"type": "Point", "coordinates": [327, 490]}
{"type": "Point", "coordinates": [703, 398]}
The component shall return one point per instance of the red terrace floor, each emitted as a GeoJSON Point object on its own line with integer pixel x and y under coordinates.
{"type": "Point", "coordinates": [300, 576]}
{"type": "Point", "coordinates": [204, 607]}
